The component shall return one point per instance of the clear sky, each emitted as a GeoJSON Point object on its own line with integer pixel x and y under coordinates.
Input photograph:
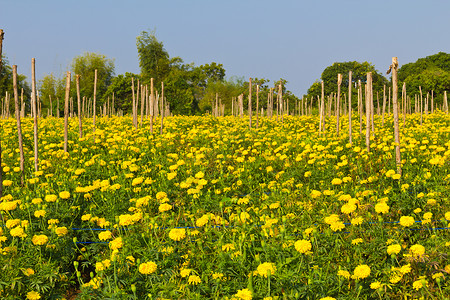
{"type": "Point", "coordinates": [294, 40]}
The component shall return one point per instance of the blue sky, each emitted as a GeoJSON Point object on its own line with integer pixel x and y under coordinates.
{"type": "Point", "coordinates": [294, 40]}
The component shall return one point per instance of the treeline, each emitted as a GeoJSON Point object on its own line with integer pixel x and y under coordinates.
{"type": "Point", "coordinates": [188, 89]}
{"type": "Point", "coordinates": [427, 76]}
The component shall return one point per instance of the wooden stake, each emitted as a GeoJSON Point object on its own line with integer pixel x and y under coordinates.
{"type": "Point", "coordinates": [339, 82]}
{"type": "Point", "coordinates": [80, 126]}
{"type": "Point", "coordinates": [19, 127]}
{"type": "Point", "coordinates": [152, 100]}
{"type": "Point", "coordinates": [66, 111]}
{"type": "Point", "coordinates": [393, 68]}
{"type": "Point", "coordinates": [257, 105]}
{"type": "Point", "coordinates": [1, 168]}
{"type": "Point", "coordinates": [34, 104]}
{"type": "Point", "coordinates": [384, 103]}
{"type": "Point", "coordinates": [162, 108]}
{"type": "Point", "coordinates": [95, 102]}
{"type": "Point", "coordinates": [350, 107]}
{"type": "Point", "coordinates": [421, 105]}
{"type": "Point", "coordinates": [368, 109]}
{"type": "Point", "coordinates": [250, 103]}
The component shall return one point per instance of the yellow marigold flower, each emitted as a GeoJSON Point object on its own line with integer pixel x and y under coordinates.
{"type": "Point", "coordinates": [39, 240]}
{"type": "Point", "coordinates": [202, 220]}
{"type": "Point", "coordinates": [147, 268]}
{"type": "Point", "coordinates": [17, 232]}
{"type": "Point", "coordinates": [61, 231]}
{"type": "Point", "coordinates": [33, 295]}
{"type": "Point", "coordinates": [125, 220]}
{"type": "Point", "coordinates": [105, 235]}
{"type": "Point", "coordinates": [357, 220]}
{"type": "Point", "coordinates": [137, 181]}
{"type": "Point", "coordinates": [348, 208]}
{"type": "Point", "coordinates": [375, 285]}
{"type": "Point", "coordinates": [417, 250]}
{"type": "Point", "coordinates": [418, 284]}
{"type": "Point", "coordinates": [50, 198]}
{"type": "Point", "coordinates": [344, 273]}
{"type": "Point", "coordinates": [331, 219]}
{"type": "Point", "coordinates": [394, 249]}
{"type": "Point", "coordinates": [447, 216]}
{"type": "Point", "coordinates": [185, 272]}
{"type": "Point", "coordinates": [116, 243]}
{"type": "Point", "coordinates": [361, 272]}
{"type": "Point", "coordinates": [64, 195]}
{"type": "Point", "coordinates": [161, 195]}
{"type": "Point", "coordinates": [12, 223]}
{"type": "Point", "coordinates": [396, 176]}
{"type": "Point", "coordinates": [40, 213]}
{"type": "Point", "coordinates": [265, 268]}
{"type": "Point", "coordinates": [216, 275]}
{"type": "Point", "coordinates": [194, 280]}
{"type": "Point", "coordinates": [28, 271]}
{"type": "Point", "coordinates": [177, 234]}
{"type": "Point", "coordinates": [405, 269]}
{"type": "Point", "coordinates": [86, 217]}
{"type": "Point", "coordinates": [228, 247]}
{"type": "Point", "coordinates": [357, 241]}
{"type": "Point", "coordinates": [382, 208]}
{"type": "Point", "coordinates": [337, 226]}
{"type": "Point", "coordinates": [274, 205]}
{"type": "Point", "coordinates": [7, 182]}
{"type": "Point", "coordinates": [336, 181]}
{"type": "Point", "coordinates": [36, 201]}
{"type": "Point", "coordinates": [244, 294]}
{"type": "Point", "coordinates": [315, 194]}
{"type": "Point", "coordinates": [329, 298]}
{"type": "Point", "coordinates": [406, 221]}
{"type": "Point", "coordinates": [303, 246]}
{"type": "Point", "coordinates": [164, 207]}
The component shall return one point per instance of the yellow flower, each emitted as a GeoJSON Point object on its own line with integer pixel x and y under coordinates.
{"type": "Point", "coordinates": [406, 221]}
{"type": "Point", "coordinates": [361, 272]}
{"type": "Point", "coordinates": [12, 223]}
{"type": "Point", "coordinates": [381, 208]}
{"type": "Point", "coordinates": [394, 249]}
{"type": "Point", "coordinates": [375, 285]}
{"type": "Point", "coordinates": [18, 231]}
{"type": "Point", "coordinates": [164, 207]}
{"type": "Point", "coordinates": [7, 182]}
{"type": "Point", "coordinates": [418, 284]}
{"type": "Point", "coordinates": [328, 298]}
{"type": "Point", "coordinates": [147, 268]}
{"type": "Point", "coordinates": [336, 181]}
{"type": "Point", "coordinates": [396, 176]}
{"type": "Point", "coordinates": [228, 247]}
{"type": "Point", "coordinates": [303, 246]}
{"type": "Point", "coordinates": [216, 275]}
{"type": "Point", "coordinates": [177, 234]}
{"type": "Point", "coordinates": [348, 208]}
{"type": "Point", "coordinates": [61, 231]}
{"type": "Point", "coordinates": [105, 235]}
{"type": "Point", "coordinates": [357, 221]}
{"type": "Point", "coordinates": [357, 241]}
{"type": "Point", "coordinates": [417, 250]}
{"type": "Point", "coordinates": [39, 213]}
{"type": "Point", "coordinates": [344, 273]}
{"type": "Point", "coordinates": [50, 198]}
{"type": "Point", "coordinates": [39, 239]}
{"type": "Point", "coordinates": [447, 216]}
{"type": "Point", "coordinates": [265, 268]}
{"type": "Point", "coordinates": [185, 272]}
{"type": "Point", "coordinates": [64, 195]}
{"type": "Point", "coordinates": [161, 195]}
{"type": "Point", "coordinates": [315, 194]}
{"type": "Point", "coordinates": [244, 294]}
{"type": "Point", "coordinates": [116, 243]}
{"type": "Point", "coordinates": [337, 226]}
{"type": "Point", "coordinates": [194, 280]}
{"type": "Point", "coordinates": [33, 295]}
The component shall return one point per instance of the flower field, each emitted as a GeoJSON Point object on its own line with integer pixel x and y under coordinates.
{"type": "Point", "coordinates": [214, 210]}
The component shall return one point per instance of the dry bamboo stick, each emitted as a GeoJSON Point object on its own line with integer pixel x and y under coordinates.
{"type": "Point", "coordinates": [162, 110]}
{"type": "Point", "coordinates": [250, 103]}
{"type": "Point", "coordinates": [257, 105]}
{"type": "Point", "coordinates": [19, 127]}
{"type": "Point", "coordinates": [384, 103]}
{"type": "Point", "coordinates": [152, 100]}
{"type": "Point", "coordinates": [33, 100]}
{"type": "Point", "coordinates": [368, 109]}
{"type": "Point", "coordinates": [398, 160]}
{"type": "Point", "coordinates": [66, 111]}
{"type": "Point", "coordinates": [339, 82]}
{"type": "Point", "coordinates": [421, 105]}
{"type": "Point", "coordinates": [350, 107]}
{"type": "Point", "coordinates": [94, 103]}
{"type": "Point", "coordinates": [80, 126]}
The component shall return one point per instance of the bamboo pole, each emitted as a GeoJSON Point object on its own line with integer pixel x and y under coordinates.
{"type": "Point", "coordinates": [162, 108]}
{"type": "Point", "coordinates": [80, 126]}
{"type": "Point", "coordinates": [368, 109]}
{"type": "Point", "coordinates": [404, 103]}
{"type": "Point", "coordinates": [142, 105]}
{"type": "Point", "coordinates": [322, 109]}
{"type": "Point", "coordinates": [339, 82]}
{"type": "Point", "coordinates": [384, 103]}
{"type": "Point", "coordinates": [360, 109]}
{"type": "Point", "coordinates": [66, 111]}
{"type": "Point", "coordinates": [398, 159]}
{"type": "Point", "coordinates": [1, 169]}
{"type": "Point", "coordinates": [19, 127]}
{"type": "Point", "coordinates": [421, 105]}
{"type": "Point", "coordinates": [134, 98]}
{"type": "Point", "coordinates": [152, 100]}
{"type": "Point", "coordinates": [280, 93]}
{"type": "Point", "coordinates": [33, 101]}
{"type": "Point", "coordinates": [445, 102]}
{"type": "Point", "coordinates": [22, 105]}
{"type": "Point", "coordinates": [250, 103]}
{"type": "Point", "coordinates": [94, 104]}
{"type": "Point", "coordinates": [257, 105]}
{"type": "Point", "coordinates": [350, 107]}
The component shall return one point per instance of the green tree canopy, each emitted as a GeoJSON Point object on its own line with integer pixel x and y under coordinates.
{"type": "Point", "coordinates": [85, 65]}
{"type": "Point", "coordinates": [432, 73]}
{"type": "Point", "coordinates": [121, 88]}
{"type": "Point", "coordinates": [50, 86]}
{"type": "Point", "coordinates": [359, 72]}
{"type": "Point", "coordinates": [6, 84]}
{"type": "Point", "coordinates": [153, 58]}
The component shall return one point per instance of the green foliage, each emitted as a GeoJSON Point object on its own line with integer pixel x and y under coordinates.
{"type": "Point", "coordinates": [153, 58]}
{"type": "Point", "coordinates": [85, 65]}
{"type": "Point", "coordinates": [121, 88]}
{"type": "Point", "coordinates": [50, 86]}
{"type": "Point", "coordinates": [6, 84]}
{"type": "Point", "coordinates": [359, 72]}
{"type": "Point", "coordinates": [432, 73]}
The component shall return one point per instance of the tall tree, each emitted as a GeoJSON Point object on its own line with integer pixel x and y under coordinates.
{"type": "Point", "coordinates": [85, 66]}
{"type": "Point", "coordinates": [121, 88]}
{"type": "Point", "coordinates": [153, 58]}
